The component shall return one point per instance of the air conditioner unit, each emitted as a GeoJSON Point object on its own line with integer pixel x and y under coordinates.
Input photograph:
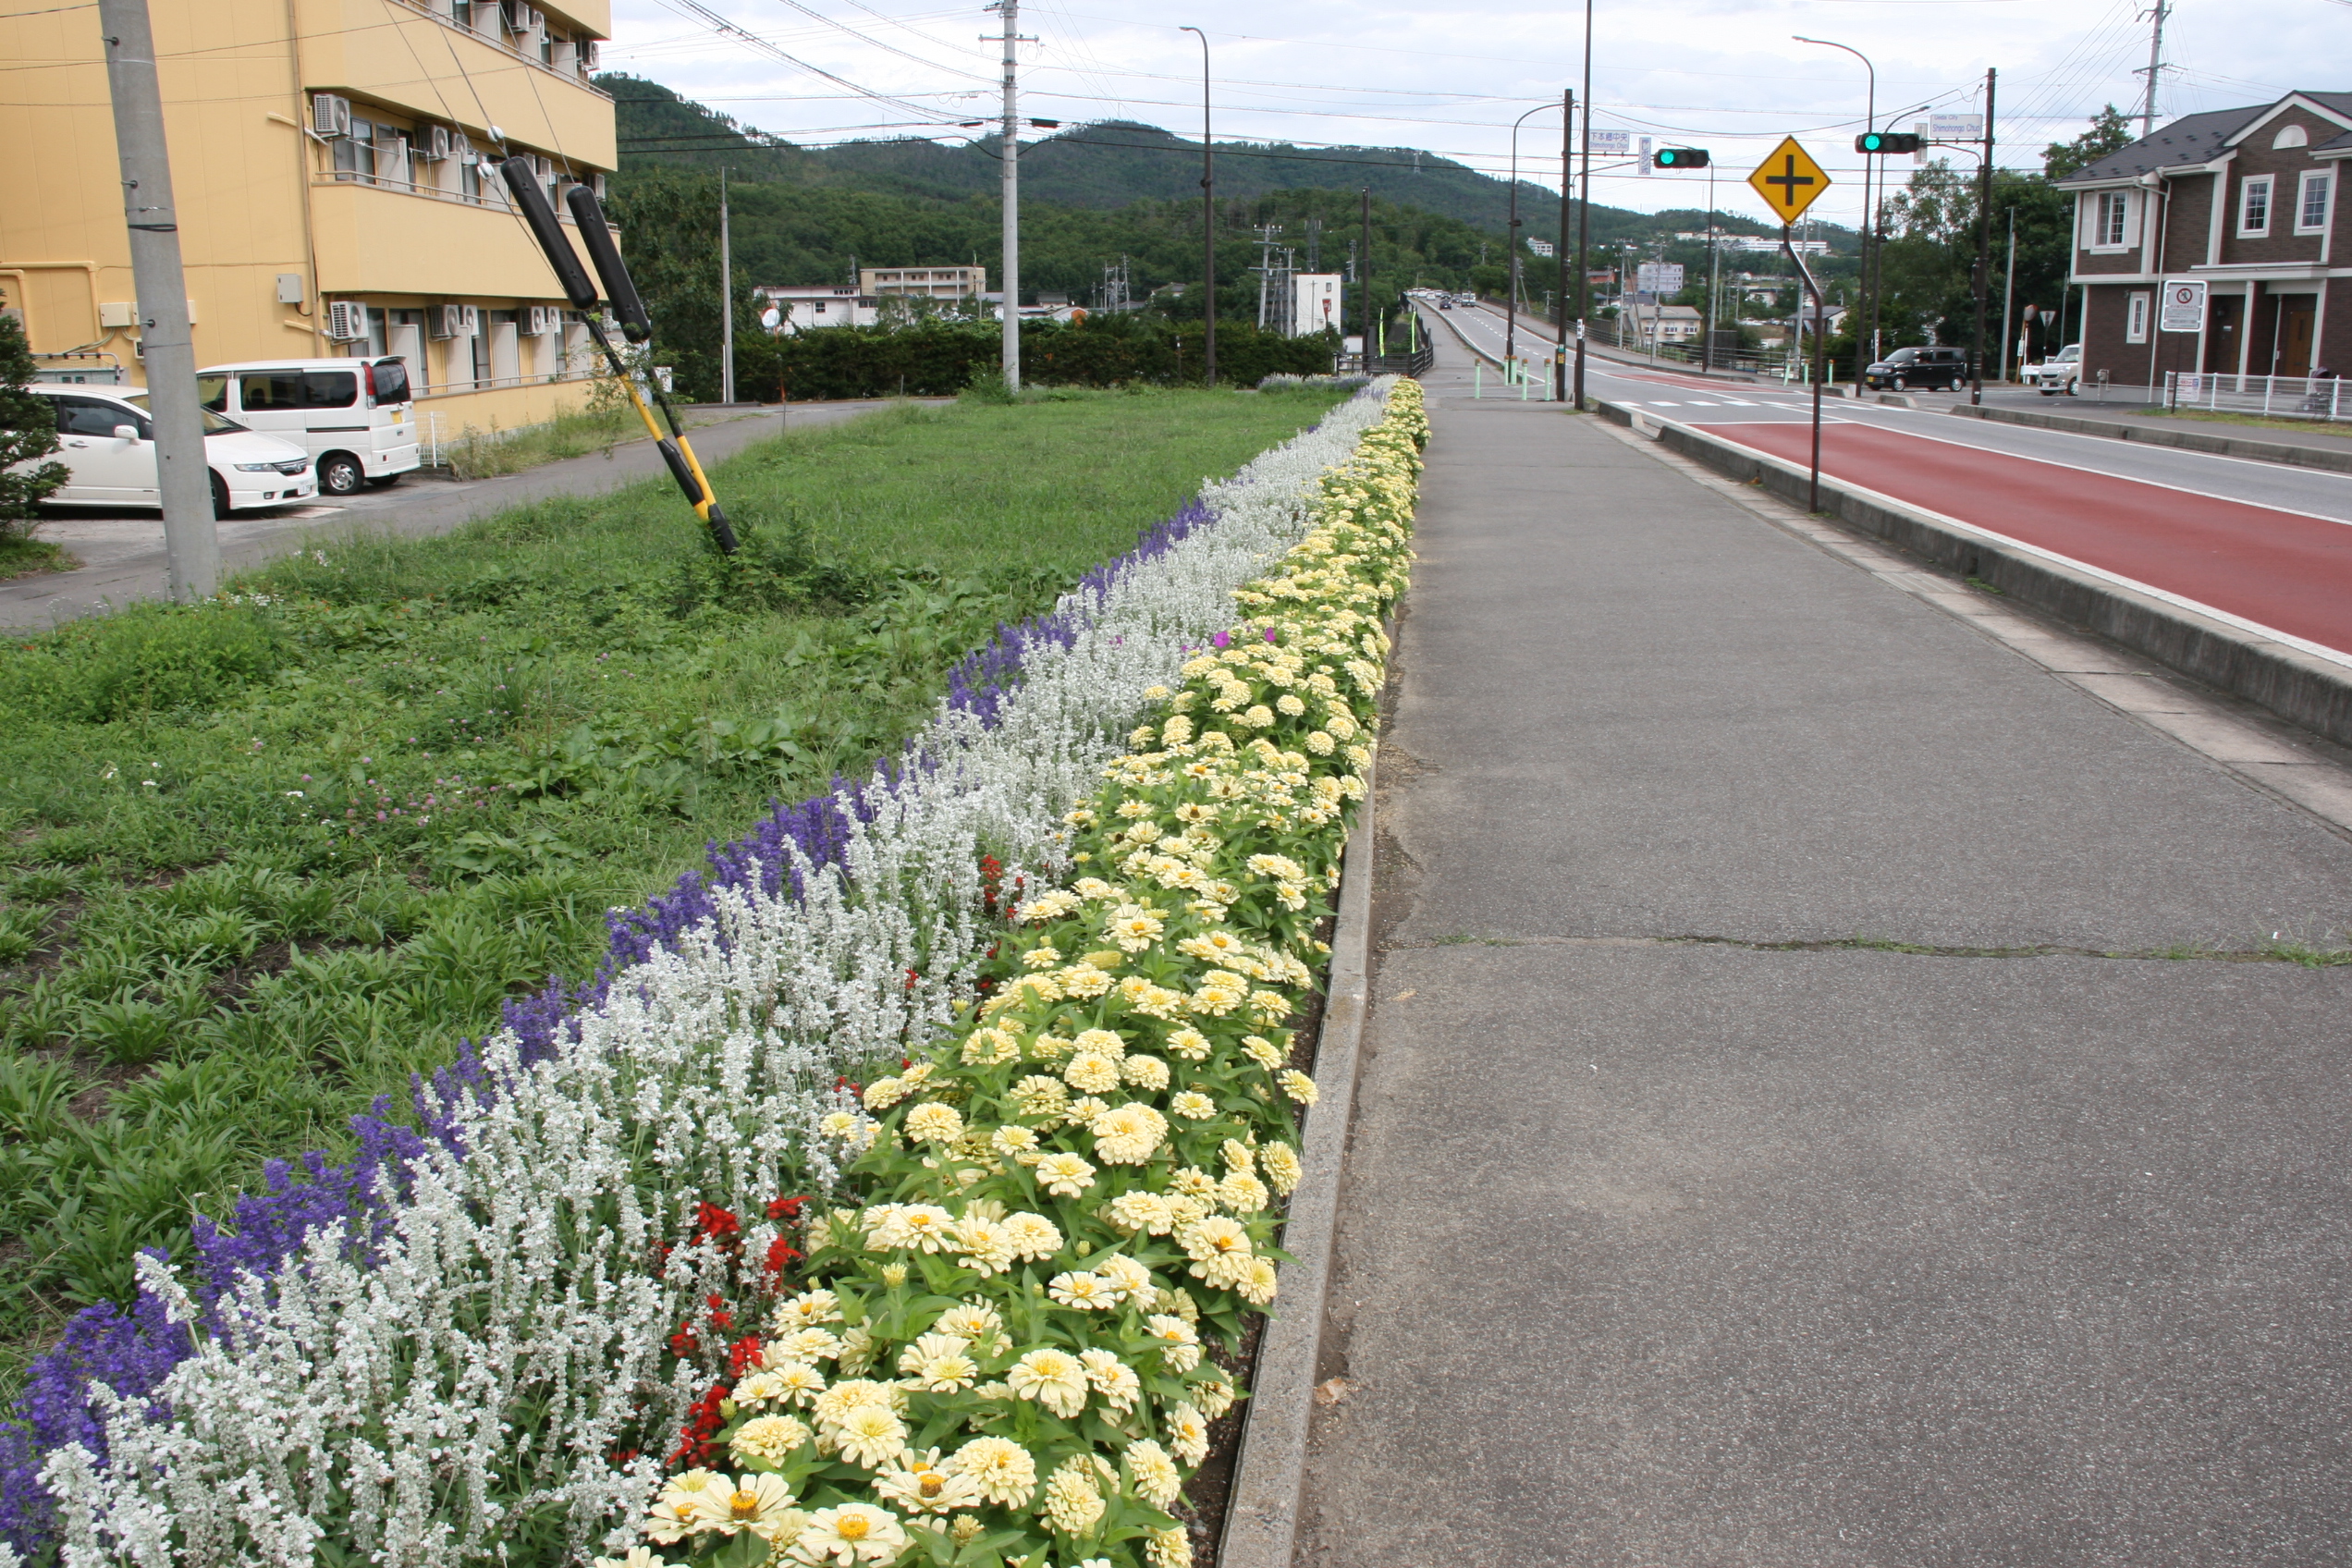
{"type": "Point", "coordinates": [564, 56]}
{"type": "Point", "coordinates": [455, 321]}
{"type": "Point", "coordinates": [461, 148]}
{"type": "Point", "coordinates": [588, 57]}
{"type": "Point", "coordinates": [330, 115]}
{"type": "Point", "coordinates": [347, 321]}
{"type": "Point", "coordinates": [434, 144]}
{"type": "Point", "coordinates": [543, 320]}
{"type": "Point", "coordinates": [514, 17]}
{"type": "Point", "coordinates": [533, 20]}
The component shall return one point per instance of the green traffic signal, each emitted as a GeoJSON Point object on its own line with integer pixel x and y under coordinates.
{"type": "Point", "coordinates": [1889, 141]}
{"type": "Point", "coordinates": [1679, 158]}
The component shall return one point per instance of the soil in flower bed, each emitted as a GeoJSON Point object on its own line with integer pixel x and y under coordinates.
{"type": "Point", "coordinates": [1209, 1495]}
{"type": "Point", "coordinates": [264, 858]}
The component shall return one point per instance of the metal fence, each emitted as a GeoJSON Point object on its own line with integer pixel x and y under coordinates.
{"type": "Point", "coordinates": [2278, 397]}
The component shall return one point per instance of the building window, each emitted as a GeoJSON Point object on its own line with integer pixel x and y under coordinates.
{"type": "Point", "coordinates": [2254, 207]}
{"type": "Point", "coordinates": [2311, 205]}
{"type": "Point", "coordinates": [2112, 208]}
{"type": "Point", "coordinates": [2136, 319]}
{"type": "Point", "coordinates": [355, 154]}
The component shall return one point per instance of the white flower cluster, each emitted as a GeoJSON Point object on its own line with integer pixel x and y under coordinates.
{"type": "Point", "coordinates": [454, 1388]}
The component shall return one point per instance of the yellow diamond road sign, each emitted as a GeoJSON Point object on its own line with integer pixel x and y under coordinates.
{"type": "Point", "coordinates": [1789, 179]}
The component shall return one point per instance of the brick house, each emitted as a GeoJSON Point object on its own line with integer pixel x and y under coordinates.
{"type": "Point", "coordinates": [2245, 200]}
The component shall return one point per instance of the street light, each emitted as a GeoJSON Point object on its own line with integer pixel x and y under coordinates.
{"type": "Point", "coordinates": [1209, 225]}
{"type": "Point", "coordinates": [1869, 214]}
{"type": "Point", "coordinates": [1511, 305]}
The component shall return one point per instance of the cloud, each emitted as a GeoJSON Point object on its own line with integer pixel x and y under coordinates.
{"type": "Point", "coordinates": [1722, 74]}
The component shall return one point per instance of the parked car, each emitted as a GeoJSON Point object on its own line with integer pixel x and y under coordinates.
{"type": "Point", "coordinates": [1927, 369]}
{"type": "Point", "coordinates": [2057, 373]}
{"type": "Point", "coordinates": [107, 443]}
{"type": "Point", "coordinates": [352, 416]}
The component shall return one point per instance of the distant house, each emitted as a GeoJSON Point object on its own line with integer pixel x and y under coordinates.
{"type": "Point", "coordinates": [926, 283]}
{"type": "Point", "coordinates": [1667, 323]}
{"type": "Point", "coordinates": [2242, 199]}
{"type": "Point", "coordinates": [801, 306]}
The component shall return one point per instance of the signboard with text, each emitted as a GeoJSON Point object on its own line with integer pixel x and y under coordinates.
{"type": "Point", "coordinates": [1955, 128]}
{"type": "Point", "coordinates": [2184, 307]}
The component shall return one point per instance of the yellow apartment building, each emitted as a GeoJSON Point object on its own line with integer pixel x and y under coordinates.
{"type": "Point", "coordinates": [335, 164]}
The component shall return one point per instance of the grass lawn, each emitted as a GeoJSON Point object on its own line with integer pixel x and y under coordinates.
{"type": "Point", "coordinates": [264, 858]}
{"type": "Point", "coordinates": [2300, 426]}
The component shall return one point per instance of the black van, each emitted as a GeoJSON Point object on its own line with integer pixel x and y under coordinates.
{"type": "Point", "coordinates": [1928, 369]}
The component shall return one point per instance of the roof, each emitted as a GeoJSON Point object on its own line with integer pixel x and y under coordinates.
{"type": "Point", "coordinates": [2193, 138]}
{"type": "Point", "coordinates": [2198, 139]}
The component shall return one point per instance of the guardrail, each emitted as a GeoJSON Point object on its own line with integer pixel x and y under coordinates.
{"type": "Point", "coordinates": [1413, 365]}
{"type": "Point", "coordinates": [2320, 398]}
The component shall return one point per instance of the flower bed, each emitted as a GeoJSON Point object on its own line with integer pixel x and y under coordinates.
{"type": "Point", "coordinates": [490, 1339]}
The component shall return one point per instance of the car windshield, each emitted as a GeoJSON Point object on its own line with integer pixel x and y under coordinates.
{"type": "Point", "coordinates": [2070, 354]}
{"type": "Point", "coordinates": [1902, 356]}
{"type": "Point", "coordinates": [213, 423]}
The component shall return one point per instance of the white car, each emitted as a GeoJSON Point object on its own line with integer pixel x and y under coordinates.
{"type": "Point", "coordinates": [107, 443]}
{"type": "Point", "coordinates": [2057, 373]}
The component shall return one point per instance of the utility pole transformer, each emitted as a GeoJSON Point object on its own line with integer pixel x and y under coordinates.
{"type": "Point", "coordinates": [1011, 160]}
{"type": "Point", "coordinates": [727, 299]}
{"type": "Point", "coordinates": [168, 347]}
{"type": "Point", "coordinates": [2155, 67]}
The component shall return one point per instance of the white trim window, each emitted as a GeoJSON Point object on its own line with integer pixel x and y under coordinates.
{"type": "Point", "coordinates": [2135, 317]}
{"type": "Point", "coordinates": [2254, 207]}
{"type": "Point", "coordinates": [2110, 219]}
{"type": "Point", "coordinates": [2312, 202]}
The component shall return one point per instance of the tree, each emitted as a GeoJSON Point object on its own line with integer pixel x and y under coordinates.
{"type": "Point", "coordinates": [28, 431]}
{"type": "Point", "coordinates": [2109, 133]}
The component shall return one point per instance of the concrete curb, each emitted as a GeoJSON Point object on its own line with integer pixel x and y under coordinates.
{"type": "Point", "coordinates": [2329, 457]}
{"type": "Point", "coordinates": [1262, 1514]}
{"type": "Point", "coordinates": [2298, 686]}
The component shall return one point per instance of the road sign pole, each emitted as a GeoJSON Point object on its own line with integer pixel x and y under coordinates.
{"type": "Point", "coordinates": [1820, 359]}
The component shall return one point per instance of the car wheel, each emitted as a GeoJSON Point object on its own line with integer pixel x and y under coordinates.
{"type": "Point", "coordinates": [339, 475]}
{"type": "Point", "coordinates": [220, 498]}
{"type": "Point", "coordinates": [2070, 386]}
{"type": "Point", "coordinates": [1900, 383]}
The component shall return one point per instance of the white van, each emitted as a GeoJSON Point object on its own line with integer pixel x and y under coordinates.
{"type": "Point", "coordinates": [107, 444]}
{"type": "Point", "coordinates": [352, 416]}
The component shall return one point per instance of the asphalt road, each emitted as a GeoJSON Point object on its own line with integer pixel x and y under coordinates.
{"type": "Point", "coordinates": [2259, 543]}
{"type": "Point", "coordinates": [1766, 1153]}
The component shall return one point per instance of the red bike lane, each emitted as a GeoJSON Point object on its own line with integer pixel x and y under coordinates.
{"type": "Point", "coordinates": [2285, 571]}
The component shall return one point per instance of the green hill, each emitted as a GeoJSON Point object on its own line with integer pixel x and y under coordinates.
{"type": "Point", "coordinates": [1109, 163]}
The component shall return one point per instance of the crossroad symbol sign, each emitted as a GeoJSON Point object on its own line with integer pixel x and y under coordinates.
{"type": "Point", "coordinates": [1789, 180]}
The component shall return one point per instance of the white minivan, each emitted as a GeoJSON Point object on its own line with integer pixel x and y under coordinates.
{"type": "Point", "coordinates": [352, 416]}
{"type": "Point", "coordinates": [107, 444]}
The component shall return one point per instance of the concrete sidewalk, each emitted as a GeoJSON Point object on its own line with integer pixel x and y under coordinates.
{"type": "Point", "coordinates": [1753, 1161]}
{"type": "Point", "coordinates": [122, 551]}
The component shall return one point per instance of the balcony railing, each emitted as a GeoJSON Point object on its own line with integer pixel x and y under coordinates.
{"type": "Point", "coordinates": [2273, 397]}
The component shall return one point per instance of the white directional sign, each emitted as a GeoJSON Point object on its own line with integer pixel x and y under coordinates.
{"type": "Point", "coordinates": [1955, 128]}
{"type": "Point", "coordinates": [2184, 307]}
{"type": "Point", "coordinates": [1616, 143]}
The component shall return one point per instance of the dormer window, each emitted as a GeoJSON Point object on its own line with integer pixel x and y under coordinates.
{"type": "Point", "coordinates": [2254, 207]}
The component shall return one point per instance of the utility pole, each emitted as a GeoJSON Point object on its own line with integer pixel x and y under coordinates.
{"type": "Point", "coordinates": [1567, 188]}
{"type": "Point", "coordinates": [1367, 290]}
{"type": "Point", "coordinates": [1984, 244]}
{"type": "Point", "coordinates": [2008, 295]}
{"type": "Point", "coordinates": [1714, 272]}
{"type": "Point", "coordinates": [2155, 67]}
{"type": "Point", "coordinates": [168, 347]}
{"type": "Point", "coordinates": [1584, 217]}
{"type": "Point", "coordinates": [1208, 226]}
{"type": "Point", "coordinates": [1010, 195]}
{"type": "Point", "coordinates": [727, 299]}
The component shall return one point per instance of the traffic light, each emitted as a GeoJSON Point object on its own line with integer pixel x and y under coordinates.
{"type": "Point", "coordinates": [1889, 141]}
{"type": "Point", "coordinates": [1679, 158]}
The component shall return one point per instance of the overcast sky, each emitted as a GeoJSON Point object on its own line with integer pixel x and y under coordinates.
{"type": "Point", "coordinates": [1722, 74]}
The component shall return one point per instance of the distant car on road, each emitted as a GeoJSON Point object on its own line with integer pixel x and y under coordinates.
{"type": "Point", "coordinates": [2057, 373]}
{"type": "Point", "coordinates": [107, 443]}
{"type": "Point", "coordinates": [1921, 367]}
{"type": "Point", "coordinates": [1445, 302]}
